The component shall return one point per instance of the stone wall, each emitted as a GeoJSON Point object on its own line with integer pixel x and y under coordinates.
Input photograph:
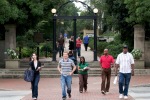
{"type": "Point", "coordinates": [147, 54]}
{"type": "Point", "coordinates": [2, 56]}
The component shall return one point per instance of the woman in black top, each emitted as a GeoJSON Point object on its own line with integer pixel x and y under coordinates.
{"type": "Point", "coordinates": [36, 67]}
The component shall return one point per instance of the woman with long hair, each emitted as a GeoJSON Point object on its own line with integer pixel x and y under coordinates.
{"type": "Point", "coordinates": [36, 67]}
{"type": "Point", "coordinates": [83, 74]}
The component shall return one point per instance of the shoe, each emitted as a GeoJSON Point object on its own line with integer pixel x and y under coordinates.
{"type": "Point", "coordinates": [64, 98]}
{"type": "Point", "coordinates": [85, 90]}
{"type": "Point", "coordinates": [69, 95]}
{"type": "Point", "coordinates": [34, 98]}
{"type": "Point", "coordinates": [120, 96]}
{"type": "Point", "coordinates": [103, 92]}
{"type": "Point", "coordinates": [126, 97]}
{"type": "Point", "coordinates": [81, 91]}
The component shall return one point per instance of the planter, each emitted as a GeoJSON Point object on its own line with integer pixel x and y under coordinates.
{"type": "Point", "coordinates": [12, 63]}
{"type": "Point", "coordinates": [139, 64]}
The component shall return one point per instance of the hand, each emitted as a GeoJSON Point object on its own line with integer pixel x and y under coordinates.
{"type": "Point", "coordinates": [39, 68]}
{"type": "Point", "coordinates": [132, 73]}
{"type": "Point", "coordinates": [71, 73]}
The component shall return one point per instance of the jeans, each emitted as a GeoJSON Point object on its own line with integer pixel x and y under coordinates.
{"type": "Point", "coordinates": [61, 50]}
{"type": "Point", "coordinates": [106, 74]}
{"type": "Point", "coordinates": [66, 81]}
{"type": "Point", "coordinates": [83, 82]}
{"type": "Point", "coordinates": [124, 80]}
{"type": "Point", "coordinates": [35, 86]}
{"type": "Point", "coordinates": [79, 50]}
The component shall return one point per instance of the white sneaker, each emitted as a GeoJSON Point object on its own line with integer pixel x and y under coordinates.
{"type": "Point", "coordinates": [120, 96]}
{"type": "Point", "coordinates": [125, 97]}
{"type": "Point", "coordinates": [34, 98]}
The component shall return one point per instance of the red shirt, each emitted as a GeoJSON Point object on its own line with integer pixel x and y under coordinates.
{"type": "Point", "coordinates": [106, 61]}
{"type": "Point", "coordinates": [78, 43]}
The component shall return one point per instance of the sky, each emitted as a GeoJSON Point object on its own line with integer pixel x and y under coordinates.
{"type": "Point", "coordinates": [79, 5]}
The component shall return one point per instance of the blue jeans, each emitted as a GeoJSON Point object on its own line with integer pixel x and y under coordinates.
{"type": "Point", "coordinates": [66, 81]}
{"type": "Point", "coordinates": [35, 86]}
{"type": "Point", "coordinates": [124, 80]}
{"type": "Point", "coordinates": [79, 50]}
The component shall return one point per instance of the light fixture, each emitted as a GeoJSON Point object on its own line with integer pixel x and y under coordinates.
{"type": "Point", "coordinates": [53, 11]}
{"type": "Point", "coordinates": [95, 10]}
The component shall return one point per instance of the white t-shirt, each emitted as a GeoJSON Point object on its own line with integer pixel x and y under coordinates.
{"type": "Point", "coordinates": [125, 61]}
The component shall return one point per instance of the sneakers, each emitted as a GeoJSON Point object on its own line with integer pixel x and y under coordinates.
{"type": "Point", "coordinates": [34, 98]}
{"type": "Point", "coordinates": [103, 92]}
{"type": "Point", "coordinates": [125, 97]}
{"type": "Point", "coordinates": [63, 98]}
{"type": "Point", "coordinates": [120, 96]}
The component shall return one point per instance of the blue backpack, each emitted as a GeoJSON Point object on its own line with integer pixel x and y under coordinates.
{"type": "Point", "coordinates": [28, 75]}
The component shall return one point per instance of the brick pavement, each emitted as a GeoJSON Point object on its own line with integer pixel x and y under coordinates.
{"type": "Point", "coordinates": [49, 88]}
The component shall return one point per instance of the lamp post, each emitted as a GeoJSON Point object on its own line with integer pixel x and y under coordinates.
{"type": "Point", "coordinates": [95, 11]}
{"type": "Point", "coordinates": [54, 34]}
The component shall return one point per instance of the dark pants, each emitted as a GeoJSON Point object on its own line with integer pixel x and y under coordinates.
{"type": "Point", "coordinates": [83, 82]}
{"type": "Point", "coordinates": [124, 80]}
{"type": "Point", "coordinates": [106, 74]}
{"type": "Point", "coordinates": [79, 51]}
{"type": "Point", "coordinates": [86, 46]}
{"type": "Point", "coordinates": [61, 50]}
{"type": "Point", "coordinates": [35, 86]}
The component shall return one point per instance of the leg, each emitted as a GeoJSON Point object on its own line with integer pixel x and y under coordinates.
{"type": "Point", "coordinates": [103, 80]}
{"type": "Point", "coordinates": [86, 45]}
{"type": "Point", "coordinates": [63, 86]}
{"type": "Point", "coordinates": [78, 51]}
{"type": "Point", "coordinates": [68, 83]}
{"type": "Point", "coordinates": [127, 81]}
{"type": "Point", "coordinates": [85, 77]}
{"type": "Point", "coordinates": [62, 50]}
{"type": "Point", "coordinates": [80, 82]}
{"type": "Point", "coordinates": [35, 86]}
{"type": "Point", "coordinates": [108, 80]}
{"type": "Point", "coordinates": [121, 82]}
{"type": "Point", "coordinates": [79, 54]}
{"type": "Point", "coordinates": [59, 49]}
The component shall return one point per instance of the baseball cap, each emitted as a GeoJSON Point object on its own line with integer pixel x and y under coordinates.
{"type": "Point", "coordinates": [125, 46]}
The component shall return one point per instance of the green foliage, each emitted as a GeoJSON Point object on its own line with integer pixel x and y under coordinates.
{"type": "Point", "coordinates": [26, 52]}
{"type": "Point", "coordinates": [46, 46]}
{"type": "Point", "coordinates": [137, 53]}
{"type": "Point", "coordinates": [139, 11]}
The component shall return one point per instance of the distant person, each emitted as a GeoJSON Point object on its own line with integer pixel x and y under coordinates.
{"type": "Point", "coordinates": [65, 68]}
{"type": "Point", "coordinates": [71, 43]}
{"type": "Point", "coordinates": [83, 74]}
{"type": "Point", "coordinates": [65, 37]}
{"type": "Point", "coordinates": [125, 63]}
{"type": "Point", "coordinates": [36, 67]}
{"type": "Point", "coordinates": [78, 46]}
{"type": "Point", "coordinates": [86, 42]}
{"type": "Point", "coordinates": [60, 43]}
{"type": "Point", "coordinates": [106, 61]}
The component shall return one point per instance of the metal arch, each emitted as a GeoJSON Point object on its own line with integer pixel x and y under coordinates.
{"type": "Point", "coordinates": [84, 4]}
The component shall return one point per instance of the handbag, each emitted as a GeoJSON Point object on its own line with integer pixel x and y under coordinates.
{"type": "Point", "coordinates": [28, 75]}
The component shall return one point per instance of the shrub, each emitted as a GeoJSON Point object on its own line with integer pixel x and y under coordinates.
{"type": "Point", "coordinates": [137, 54]}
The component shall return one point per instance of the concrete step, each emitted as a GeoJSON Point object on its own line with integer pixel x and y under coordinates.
{"type": "Point", "coordinates": [53, 72]}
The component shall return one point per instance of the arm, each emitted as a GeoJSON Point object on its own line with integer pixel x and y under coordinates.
{"type": "Point", "coordinates": [74, 68]}
{"type": "Point", "coordinates": [58, 67]}
{"type": "Point", "coordinates": [117, 65]}
{"type": "Point", "coordinates": [132, 65]}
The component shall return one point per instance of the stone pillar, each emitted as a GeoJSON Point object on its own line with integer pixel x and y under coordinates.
{"type": "Point", "coordinates": [139, 38]}
{"type": "Point", "coordinates": [10, 36]}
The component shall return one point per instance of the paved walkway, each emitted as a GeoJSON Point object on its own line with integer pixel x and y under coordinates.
{"type": "Point", "coordinates": [49, 88]}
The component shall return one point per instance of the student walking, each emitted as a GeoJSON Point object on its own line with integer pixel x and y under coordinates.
{"type": "Point", "coordinates": [36, 67]}
{"type": "Point", "coordinates": [78, 46]}
{"type": "Point", "coordinates": [60, 43]}
{"type": "Point", "coordinates": [86, 42]}
{"type": "Point", "coordinates": [126, 63]}
{"type": "Point", "coordinates": [66, 71]}
{"type": "Point", "coordinates": [106, 61]}
{"type": "Point", "coordinates": [83, 74]}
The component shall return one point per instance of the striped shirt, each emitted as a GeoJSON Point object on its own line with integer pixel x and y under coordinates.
{"type": "Point", "coordinates": [66, 66]}
{"type": "Point", "coordinates": [125, 61]}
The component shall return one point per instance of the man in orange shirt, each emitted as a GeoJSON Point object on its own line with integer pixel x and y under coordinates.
{"type": "Point", "coordinates": [105, 61]}
{"type": "Point", "coordinates": [78, 46]}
